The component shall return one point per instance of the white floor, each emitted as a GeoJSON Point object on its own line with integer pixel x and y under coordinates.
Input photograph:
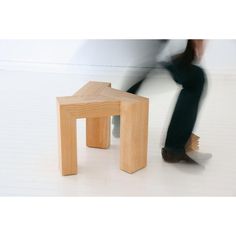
{"type": "Point", "coordinates": [28, 142]}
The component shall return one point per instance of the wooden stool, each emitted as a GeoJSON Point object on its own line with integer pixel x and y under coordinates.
{"type": "Point", "coordinates": [96, 102]}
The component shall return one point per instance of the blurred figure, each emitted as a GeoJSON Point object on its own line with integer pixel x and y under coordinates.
{"type": "Point", "coordinates": [148, 53]}
{"type": "Point", "coordinates": [192, 78]}
{"type": "Point", "coordinates": [185, 72]}
{"type": "Point", "coordinates": [147, 62]}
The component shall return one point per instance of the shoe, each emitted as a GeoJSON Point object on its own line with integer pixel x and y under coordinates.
{"type": "Point", "coordinates": [172, 157]}
{"type": "Point", "coordinates": [200, 156]}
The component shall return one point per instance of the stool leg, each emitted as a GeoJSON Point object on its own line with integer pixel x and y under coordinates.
{"type": "Point", "coordinates": [98, 132]}
{"type": "Point", "coordinates": [67, 143]}
{"type": "Point", "coordinates": [133, 135]}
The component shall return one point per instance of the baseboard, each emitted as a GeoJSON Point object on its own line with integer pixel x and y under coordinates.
{"type": "Point", "coordinates": [103, 70]}
{"type": "Point", "coordinates": [70, 68]}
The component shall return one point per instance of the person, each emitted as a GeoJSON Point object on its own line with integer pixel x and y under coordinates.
{"type": "Point", "coordinates": [192, 78]}
{"type": "Point", "coordinates": [148, 53]}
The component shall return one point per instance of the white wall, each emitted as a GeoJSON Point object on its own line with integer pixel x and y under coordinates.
{"type": "Point", "coordinates": [44, 51]}
{"type": "Point", "coordinates": [220, 55]}
{"type": "Point", "coordinates": [121, 53]}
{"type": "Point", "coordinates": [70, 55]}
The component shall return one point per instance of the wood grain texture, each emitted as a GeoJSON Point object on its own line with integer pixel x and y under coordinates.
{"type": "Point", "coordinates": [97, 101]}
{"type": "Point", "coordinates": [92, 88]}
{"type": "Point", "coordinates": [98, 132]}
{"type": "Point", "coordinates": [133, 135]}
{"type": "Point", "coordinates": [193, 143]}
{"type": "Point", "coordinates": [92, 107]}
{"type": "Point", "coordinates": [97, 128]}
{"type": "Point", "coordinates": [67, 142]}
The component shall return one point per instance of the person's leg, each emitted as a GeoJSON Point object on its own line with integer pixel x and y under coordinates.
{"type": "Point", "coordinates": [145, 54]}
{"type": "Point", "coordinates": [133, 89]}
{"type": "Point", "coordinates": [185, 111]}
{"type": "Point", "coordinates": [148, 63]}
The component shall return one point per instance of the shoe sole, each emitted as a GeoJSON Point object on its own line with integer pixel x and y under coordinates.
{"type": "Point", "coordinates": [169, 160]}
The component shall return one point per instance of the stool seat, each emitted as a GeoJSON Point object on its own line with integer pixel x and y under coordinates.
{"type": "Point", "coordinates": [97, 102]}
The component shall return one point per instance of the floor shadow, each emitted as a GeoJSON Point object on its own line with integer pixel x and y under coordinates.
{"type": "Point", "coordinates": [190, 168]}
{"type": "Point", "coordinates": [198, 165]}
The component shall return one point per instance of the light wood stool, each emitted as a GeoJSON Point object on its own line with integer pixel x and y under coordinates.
{"type": "Point", "coordinates": [97, 102]}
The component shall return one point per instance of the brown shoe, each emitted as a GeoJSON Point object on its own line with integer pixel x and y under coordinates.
{"type": "Point", "coordinates": [172, 157]}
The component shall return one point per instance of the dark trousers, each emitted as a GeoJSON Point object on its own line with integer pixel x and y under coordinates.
{"type": "Point", "coordinates": [185, 112]}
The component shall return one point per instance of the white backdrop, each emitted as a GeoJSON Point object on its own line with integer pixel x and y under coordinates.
{"type": "Point", "coordinates": [70, 55]}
